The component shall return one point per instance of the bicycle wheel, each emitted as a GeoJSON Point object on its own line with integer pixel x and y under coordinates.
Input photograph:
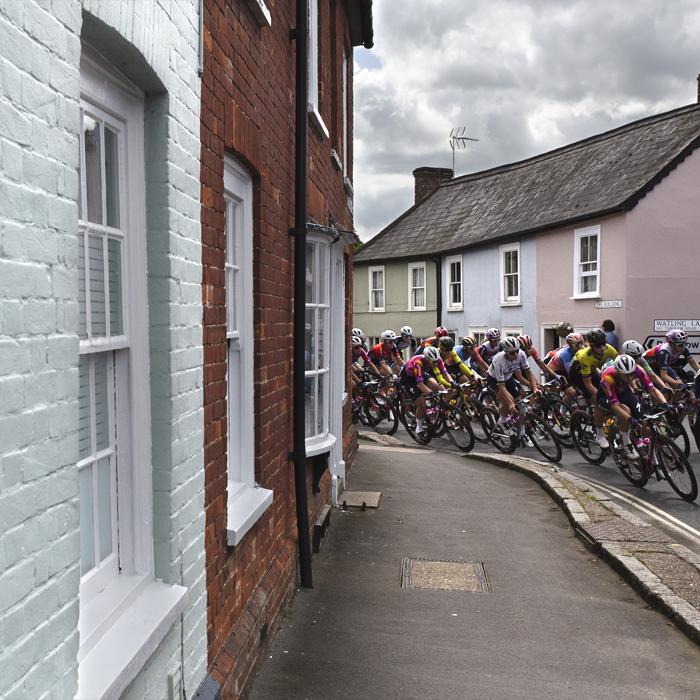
{"type": "Point", "coordinates": [583, 436]}
{"type": "Point", "coordinates": [408, 418]}
{"type": "Point", "coordinates": [472, 409]}
{"type": "Point", "coordinates": [676, 468]}
{"type": "Point", "coordinates": [381, 414]}
{"type": "Point", "coordinates": [459, 431]}
{"type": "Point", "coordinates": [630, 467]}
{"type": "Point", "coordinates": [435, 416]}
{"type": "Point", "coordinates": [558, 415]}
{"type": "Point", "coordinates": [674, 429]}
{"type": "Point", "coordinates": [543, 437]}
{"type": "Point", "coordinates": [500, 436]}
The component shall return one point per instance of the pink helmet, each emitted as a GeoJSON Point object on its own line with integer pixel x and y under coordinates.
{"type": "Point", "coordinates": [493, 334]}
{"type": "Point", "coordinates": [677, 336]}
{"type": "Point", "coordinates": [525, 342]}
{"type": "Point", "coordinates": [574, 339]}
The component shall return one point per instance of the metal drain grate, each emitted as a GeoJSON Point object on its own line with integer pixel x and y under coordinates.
{"type": "Point", "coordinates": [624, 532]}
{"type": "Point", "coordinates": [433, 575]}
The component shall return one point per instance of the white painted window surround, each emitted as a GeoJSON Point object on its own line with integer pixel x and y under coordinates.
{"type": "Point", "coordinates": [509, 255]}
{"type": "Point", "coordinates": [478, 332]}
{"type": "Point", "coordinates": [511, 331]}
{"type": "Point", "coordinates": [376, 288]}
{"type": "Point", "coordinates": [313, 104]}
{"type": "Point", "coordinates": [453, 267]}
{"type": "Point", "coordinates": [587, 263]}
{"type": "Point", "coordinates": [262, 14]}
{"type": "Point", "coordinates": [416, 287]}
{"type": "Point", "coordinates": [246, 501]}
{"type": "Point", "coordinates": [117, 585]}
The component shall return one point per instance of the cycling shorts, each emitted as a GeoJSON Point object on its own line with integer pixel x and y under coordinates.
{"type": "Point", "coordinates": [575, 379]}
{"type": "Point", "coordinates": [409, 385]}
{"type": "Point", "coordinates": [626, 397]}
{"type": "Point", "coordinates": [455, 372]}
{"type": "Point", "coordinates": [511, 384]}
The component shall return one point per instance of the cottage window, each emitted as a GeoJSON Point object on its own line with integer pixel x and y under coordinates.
{"type": "Point", "coordinates": [454, 283]}
{"type": "Point", "coordinates": [587, 262]}
{"type": "Point", "coordinates": [317, 339]}
{"type": "Point", "coordinates": [416, 287]}
{"type": "Point", "coordinates": [314, 76]}
{"type": "Point", "coordinates": [246, 502]}
{"type": "Point", "coordinates": [376, 288]}
{"type": "Point", "coordinates": [478, 332]}
{"type": "Point", "coordinates": [510, 274]}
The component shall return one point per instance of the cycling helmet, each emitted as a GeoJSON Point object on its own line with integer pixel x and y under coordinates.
{"type": "Point", "coordinates": [469, 341]}
{"type": "Point", "coordinates": [564, 327]}
{"type": "Point", "coordinates": [677, 336]}
{"type": "Point", "coordinates": [441, 331]}
{"type": "Point", "coordinates": [525, 342]}
{"type": "Point", "coordinates": [632, 348]}
{"type": "Point", "coordinates": [356, 341]}
{"type": "Point", "coordinates": [574, 339]}
{"type": "Point", "coordinates": [431, 353]}
{"type": "Point", "coordinates": [357, 331]}
{"type": "Point", "coordinates": [510, 344]}
{"type": "Point", "coordinates": [407, 330]}
{"type": "Point", "coordinates": [446, 343]}
{"type": "Point", "coordinates": [387, 336]}
{"type": "Point", "coordinates": [624, 364]}
{"type": "Point", "coordinates": [596, 336]}
{"type": "Point", "coordinates": [493, 334]}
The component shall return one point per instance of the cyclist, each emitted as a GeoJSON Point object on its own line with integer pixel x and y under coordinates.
{"type": "Point", "coordinates": [383, 353]}
{"type": "Point", "coordinates": [615, 395]}
{"type": "Point", "coordinates": [491, 346]}
{"type": "Point", "coordinates": [636, 351]}
{"type": "Point", "coordinates": [531, 351]}
{"type": "Point", "coordinates": [357, 332]}
{"type": "Point", "coordinates": [661, 359]}
{"type": "Point", "coordinates": [416, 380]}
{"type": "Point", "coordinates": [455, 366]}
{"type": "Point", "coordinates": [562, 359]}
{"type": "Point", "coordinates": [440, 332]}
{"type": "Point", "coordinates": [468, 352]}
{"type": "Point", "coordinates": [584, 371]}
{"type": "Point", "coordinates": [510, 362]}
{"type": "Point", "coordinates": [358, 353]}
{"type": "Point", "coordinates": [405, 340]}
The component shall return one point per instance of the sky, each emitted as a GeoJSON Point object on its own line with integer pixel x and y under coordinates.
{"type": "Point", "coordinates": [524, 77]}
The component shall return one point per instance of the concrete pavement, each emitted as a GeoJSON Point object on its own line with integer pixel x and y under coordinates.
{"type": "Point", "coordinates": [558, 622]}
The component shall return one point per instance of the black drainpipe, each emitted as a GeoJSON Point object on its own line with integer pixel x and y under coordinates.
{"type": "Point", "coordinates": [438, 284]}
{"type": "Point", "coordinates": [300, 34]}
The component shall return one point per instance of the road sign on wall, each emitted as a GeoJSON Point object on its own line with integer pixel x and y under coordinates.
{"type": "Point", "coordinates": [665, 325]}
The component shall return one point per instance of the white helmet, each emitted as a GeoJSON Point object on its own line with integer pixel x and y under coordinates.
{"type": "Point", "coordinates": [431, 353]}
{"type": "Point", "coordinates": [388, 335]}
{"type": "Point", "coordinates": [632, 348]}
{"type": "Point", "coordinates": [357, 331]}
{"type": "Point", "coordinates": [356, 341]}
{"type": "Point", "coordinates": [624, 364]}
{"type": "Point", "coordinates": [510, 344]}
{"type": "Point", "coordinates": [407, 330]}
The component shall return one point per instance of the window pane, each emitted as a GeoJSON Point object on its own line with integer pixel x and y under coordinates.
{"type": "Point", "coordinates": [231, 299]}
{"type": "Point", "coordinates": [98, 315]}
{"type": "Point", "coordinates": [593, 247]}
{"type": "Point", "coordinates": [584, 249]}
{"type": "Point", "coordinates": [310, 274]}
{"type": "Point", "coordinates": [93, 169]}
{"type": "Point", "coordinates": [231, 233]}
{"type": "Point", "coordinates": [112, 178]}
{"type": "Point", "coordinates": [378, 299]}
{"type": "Point", "coordinates": [589, 283]}
{"type": "Point", "coordinates": [455, 272]}
{"type": "Point", "coordinates": [320, 339]}
{"type": "Point", "coordinates": [456, 297]}
{"type": "Point", "coordinates": [82, 296]}
{"type": "Point", "coordinates": [321, 416]}
{"type": "Point", "coordinates": [514, 261]}
{"type": "Point", "coordinates": [114, 264]}
{"type": "Point", "coordinates": [84, 439]}
{"type": "Point", "coordinates": [87, 554]}
{"type": "Point", "coordinates": [310, 406]}
{"type": "Point", "coordinates": [323, 268]}
{"type": "Point", "coordinates": [511, 286]}
{"type": "Point", "coordinates": [506, 264]}
{"type": "Point", "coordinates": [104, 507]}
{"type": "Point", "coordinates": [310, 338]}
{"type": "Point", "coordinates": [101, 402]}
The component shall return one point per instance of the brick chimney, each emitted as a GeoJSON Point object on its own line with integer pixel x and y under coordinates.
{"type": "Point", "coordinates": [427, 181]}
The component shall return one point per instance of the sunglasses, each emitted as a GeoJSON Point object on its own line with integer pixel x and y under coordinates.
{"type": "Point", "coordinates": [599, 345]}
{"type": "Point", "coordinates": [679, 345]}
{"type": "Point", "coordinates": [512, 352]}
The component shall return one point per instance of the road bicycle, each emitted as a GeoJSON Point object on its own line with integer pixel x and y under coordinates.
{"type": "Point", "coordinates": [550, 406]}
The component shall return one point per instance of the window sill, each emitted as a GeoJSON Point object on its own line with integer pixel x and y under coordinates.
{"type": "Point", "coordinates": [262, 14]}
{"type": "Point", "coordinates": [245, 506]}
{"type": "Point", "coordinates": [454, 308]}
{"type": "Point", "coordinates": [512, 303]}
{"type": "Point", "coordinates": [317, 446]}
{"type": "Point", "coordinates": [142, 613]}
{"type": "Point", "coordinates": [377, 311]}
{"type": "Point", "coordinates": [418, 308]}
{"type": "Point", "coordinates": [586, 296]}
{"type": "Point", "coordinates": [317, 121]}
{"type": "Point", "coordinates": [345, 397]}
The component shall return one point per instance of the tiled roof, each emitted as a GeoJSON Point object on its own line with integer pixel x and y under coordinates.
{"type": "Point", "coordinates": [591, 178]}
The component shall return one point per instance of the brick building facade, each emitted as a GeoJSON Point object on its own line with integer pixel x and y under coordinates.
{"type": "Point", "coordinates": [248, 190]}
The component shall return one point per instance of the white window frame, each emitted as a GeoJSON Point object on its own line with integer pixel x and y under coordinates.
{"type": "Point", "coordinates": [122, 623]}
{"type": "Point", "coordinates": [479, 332]}
{"type": "Point", "coordinates": [313, 70]}
{"type": "Point", "coordinates": [578, 272]}
{"type": "Point", "coordinates": [372, 308]}
{"type": "Point", "coordinates": [246, 501]}
{"type": "Point", "coordinates": [511, 331]}
{"type": "Point", "coordinates": [509, 248]}
{"type": "Point", "coordinates": [452, 285]}
{"type": "Point", "coordinates": [412, 289]}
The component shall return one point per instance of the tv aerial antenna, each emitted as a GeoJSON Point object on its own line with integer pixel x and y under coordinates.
{"type": "Point", "coordinates": [458, 141]}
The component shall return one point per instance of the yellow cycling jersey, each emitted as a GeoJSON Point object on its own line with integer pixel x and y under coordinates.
{"type": "Point", "coordinates": [457, 360]}
{"type": "Point", "coordinates": [588, 362]}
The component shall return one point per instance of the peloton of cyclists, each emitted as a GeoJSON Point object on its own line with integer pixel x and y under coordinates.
{"type": "Point", "coordinates": [468, 352]}
{"type": "Point", "coordinates": [384, 354]}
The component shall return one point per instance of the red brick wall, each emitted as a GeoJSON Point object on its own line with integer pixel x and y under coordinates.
{"type": "Point", "coordinates": [248, 111]}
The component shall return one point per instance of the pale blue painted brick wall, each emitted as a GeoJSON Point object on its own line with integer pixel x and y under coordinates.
{"type": "Point", "coordinates": [40, 46]}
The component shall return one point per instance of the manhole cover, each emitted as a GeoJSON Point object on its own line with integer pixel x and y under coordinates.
{"type": "Point", "coordinates": [625, 532]}
{"type": "Point", "coordinates": [444, 575]}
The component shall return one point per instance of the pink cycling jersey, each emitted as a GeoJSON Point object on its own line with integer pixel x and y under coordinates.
{"type": "Point", "coordinates": [381, 353]}
{"type": "Point", "coordinates": [612, 384]}
{"type": "Point", "coordinates": [417, 368]}
{"type": "Point", "coordinates": [359, 353]}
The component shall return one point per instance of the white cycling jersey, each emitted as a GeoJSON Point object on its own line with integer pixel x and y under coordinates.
{"type": "Point", "coordinates": [502, 367]}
